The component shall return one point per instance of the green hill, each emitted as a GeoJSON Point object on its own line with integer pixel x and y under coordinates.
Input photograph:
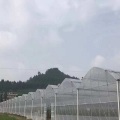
{"type": "Point", "coordinates": [40, 81]}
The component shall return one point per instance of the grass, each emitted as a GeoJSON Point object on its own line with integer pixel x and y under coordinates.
{"type": "Point", "coordinates": [11, 117]}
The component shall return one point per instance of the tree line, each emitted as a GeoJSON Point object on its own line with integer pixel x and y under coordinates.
{"type": "Point", "coordinates": [40, 81]}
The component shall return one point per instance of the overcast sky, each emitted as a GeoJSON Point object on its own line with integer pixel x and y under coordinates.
{"type": "Point", "coordinates": [73, 35]}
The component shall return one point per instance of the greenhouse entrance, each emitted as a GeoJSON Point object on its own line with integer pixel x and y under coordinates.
{"type": "Point", "coordinates": [48, 115]}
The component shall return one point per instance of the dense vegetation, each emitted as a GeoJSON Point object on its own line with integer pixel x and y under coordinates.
{"type": "Point", "coordinates": [52, 76]}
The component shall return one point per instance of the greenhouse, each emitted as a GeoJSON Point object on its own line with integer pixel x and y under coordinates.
{"type": "Point", "coordinates": [29, 104]}
{"type": "Point", "coordinates": [94, 97]}
{"type": "Point", "coordinates": [98, 98]}
{"type": "Point", "coordinates": [18, 105]}
{"type": "Point", "coordinates": [50, 93]}
{"type": "Point", "coordinates": [23, 105]}
{"type": "Point", "coordinates": [66, 99]}
{"type": "Point", "coordinates": [38, 111]}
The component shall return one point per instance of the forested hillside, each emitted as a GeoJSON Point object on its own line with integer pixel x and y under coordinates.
{"type": "Point", "coordinates": [52, 76]}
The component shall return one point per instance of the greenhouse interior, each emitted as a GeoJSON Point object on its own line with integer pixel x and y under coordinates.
{"type": "Point", "coordinates": [94, 97]}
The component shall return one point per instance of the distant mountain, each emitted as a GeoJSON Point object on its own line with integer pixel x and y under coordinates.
{"type": "Point", "coordinates": [52, 76]}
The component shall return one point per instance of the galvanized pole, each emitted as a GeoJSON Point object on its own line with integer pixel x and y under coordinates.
{"type": "Point", "coordinates": [78, 104]}
{"type": "Point", "coordinates": [41, 107]}
{"type": "Point", "coordinates": [15, 105]}
{"type": "Point", "coordinates": [12, 106]}
{"type": "Point", "coordinates": [55, 105]}
{"type": "Point", "coordinates": [118, 99]}
{"type": "Point", "coordinates": [52, 112]}
{"type": "Point", "coordinates": [9, 107]}
{"type": "Point", "coordinates": [19, 106]}
{"type": "Point", "coordinates": [25, 107]}
{"type": "Point", "coordinates": [45, 117]}
{"type": "Point", "coordinates": [32, 108]}
{"type": "Point", "coordinates": [3, 106]}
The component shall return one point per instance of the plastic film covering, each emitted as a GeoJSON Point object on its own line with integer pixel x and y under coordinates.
{"type": "Point", "coordinates": [38, 111]}
{"type": "Point", "coordinates": [66, 100]}
{"type": "Point", "coordinates": [29, 105]}
{"type": "Point", "coordinates": [98, 99]}
{"type": "Point", "coordinates": [23, 105]}
{"type": "Point", "coordinates": [95, 97]}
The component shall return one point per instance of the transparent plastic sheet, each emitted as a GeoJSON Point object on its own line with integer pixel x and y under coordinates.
{"type": "Point", "coordinates": [29, 105]}
{"type": "Point", "coordinates": [23, 105]}
{"type": "Point", "coordinates": [93, 98]}
{"type": "Point", "coordinates": [100, 87]}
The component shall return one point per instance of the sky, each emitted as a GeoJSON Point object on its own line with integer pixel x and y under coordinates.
{"type": "Point", "coordinates": [72, 35]}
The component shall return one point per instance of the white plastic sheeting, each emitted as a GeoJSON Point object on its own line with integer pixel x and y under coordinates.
{"type": "Point", "coordinates": [92, 98]}
{"type": "Point", "coordinates": [66, 99]}
{"type": "Point", "coordinates": [98, 98]}
{"type": "Point", "coordinates": [39, 104]}
{"type": "Point", "coordinates": [69, 86]}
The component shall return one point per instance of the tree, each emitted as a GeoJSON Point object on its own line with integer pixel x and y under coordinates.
{"type": "Point", "coordinates": [1, 98]}
{"type": "Point", "coordinates": [39, 73]}
{"type": "Point", "coordinates": [5, 96]}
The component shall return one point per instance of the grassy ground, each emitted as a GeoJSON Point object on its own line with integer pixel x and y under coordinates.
{"type": "Point", "coordinates": [11, 117]}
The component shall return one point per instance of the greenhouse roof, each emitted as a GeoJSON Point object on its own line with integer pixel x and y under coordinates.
{"type": "Point", "coordinates": [115, 74]}
{"type": "Point", "coordinates": [24, 95]}
{"type": "Point", "coordinates": [31, 94]}
{"type": "Point", "coordinates": [69, 85]}
{"type": "Point", "coordinates": [41, 92]}
{"type": "Point", "coordinates": [53, 86]}
{"type": "Point", "coordinates": [51, 90]}
{"type": "Point", "coordinates": [100, 74]}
